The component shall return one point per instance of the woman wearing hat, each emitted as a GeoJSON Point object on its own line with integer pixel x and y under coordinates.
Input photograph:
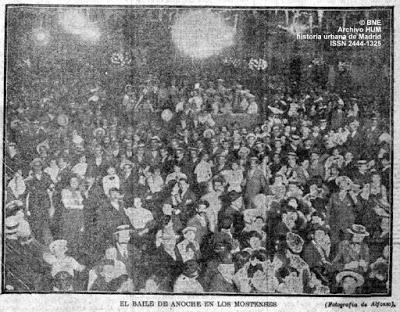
{"type": "Point", "coordinates": [349, 282]}
{"type": "Point", "coordinates": [353, 254]}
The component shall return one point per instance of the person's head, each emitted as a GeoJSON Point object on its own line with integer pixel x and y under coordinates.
{"type": "Point", "coordinates": [335, 151]}
{"type": "Point", "coordinates": [202, 206]}
{"type": "Point", "coordinates": [127, 168]}
{"type": "Point", "coordinates": [177, 168]}
{"type": "Point", "coordinates": [110, 253]}
{"type": "Point", "coordinates": [348, 156]}
{"type": "Point", "coordinates": [152, 284]}
{"type": "Point", "coordinates": [354, 125]}
{"type": "Point", "coordinates": [240, 259]}
{"type": "Point", "coordinates": [221, 159]}
{"type": "Point", "coordinates": [74, 183]}
{"type": "Point", "coordinates": [63, 281]}
{"type": "Point", "coordinates": [218, 184]}
{"type": "Point", "coordinates": [253, 161]}
{"type": "Point", "coordinates": [385, 160]}
{"type": "Point", "coordinates": [335, 172]}
{"type": "Point", "coordinates": [308, 144]}
{"type": "Point", "coordinates": [12, 147]}
{"type": "Point", "coordinates": [350, 283]}
{"type": "Point", "coordinates": [191, 268]}
{"type": "Point", "coordinates": [107, 272]}
{"type": "Point", "coordinates": [37, 165]}
{"type": "Point", "coordinates": [289, 217]}
{"type": "Point", "coordinates": [167, 209]}
{"type": "Point", "coordinates": [183, 184]}
{"type": "Point", "coordinates": [111, 170]}
{"type": "Point", "coordinates": [376, 178]}
{"type": "Point", "coordinates": [179, 153]}
{"type": "Point", "coordinates": [114, 194]}
{"type": "Point", "coordinates": [98, 151]}
{"type": "Point", "coordinates": [189, 233]}
{"type": "Point", "coordinates": [258, 256]}
{"type": "Point", "coordinates": [58, 247]}
{"type": "Point", "coordinates": [358, 233]}
{"type": "Point", "coordinates": [276, 158]}
{"type": "Point", "coordinates": [293, 203]}
{"type": "Point", "coordinates": [314, 156]}
{"type": "Point", "coordinates": [137, 202]}
{"type": "Point", "coordinates": [255, 240]}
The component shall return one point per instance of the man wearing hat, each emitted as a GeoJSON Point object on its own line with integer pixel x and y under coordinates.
{"type": "Point", "coordinates": [97, 165]}
{"type": "Point", "coordinates": [341, 210]}
{"type": "Point", "coordinates": [200, 221]}
{"type": "Point", "coordinates": [355, 140]}
{"type": "Point", "coordinates": [361, 176]}
{"type": "Point", "coordinates": [110, 215]}
{"type": "Point", "coordinates": [256, 181]}
{"type": "Point", "coordinates": [293, 145]}
{"type": "Point", "coordinates": [127, 252]}
{"type": "Point", "coordinates": [316, 252]}
{"type": "Point", "coordinates": [189, 248]}
{"type": "Point", "coordinates": [153, 154]}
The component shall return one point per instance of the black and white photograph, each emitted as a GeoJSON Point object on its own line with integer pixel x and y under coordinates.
{"type": "Point", "coordinates": [161, 149]}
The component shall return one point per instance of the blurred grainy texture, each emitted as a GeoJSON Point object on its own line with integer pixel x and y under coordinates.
{"type": "Point", "coordinates": [197, 150]}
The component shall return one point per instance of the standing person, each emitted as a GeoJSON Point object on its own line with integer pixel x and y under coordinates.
{"type": "Point", "coordinates": [110, 216]}
{"type": "Point", "coordinates": [38, 203]}
{"type": "Point", "coordinates": [341, 210]}
{"type": "Point", "coordinates": [255, 182]}
{"type": "Point", "coordinates": [129, 102]}
{"type": "Point", "coordinates": [73, 221]}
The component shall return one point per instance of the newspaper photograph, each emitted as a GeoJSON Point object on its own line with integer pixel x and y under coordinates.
{"type": "Point", "coordinates": [178, 156]}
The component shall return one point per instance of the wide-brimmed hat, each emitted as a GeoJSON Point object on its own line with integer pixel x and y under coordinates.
{"type": "Point", "coordinates": [358, 277]}
{"type": "Point", "coordinates": [250, 135]}
{"type": "Point", "coordinates": [208, 133]}
{"type": "Point", "coordinates": [358, 229]}
{"type": "Point", "coordinates": [36, 160]}
{"type": "Point", "coordinates": [11, 225]}
{"type": "Point", "coordinates": [294, 137]}
{"type": "Point", "coordinates": [343, 179]}
{"type": "Point", "coordinates": [166, 115]}
{"type": "Point", "coordinates": [189, 228]}
{"type": "Point", "coordinates": [295, 242]}
{"type": "Point", "coordinates": [44, 144]}
{"type": "Point", "coordinates": [99, 132]}
{"type": "Point", "coordinates": [123, 228]}
{"type": "Point", "coordinates": [244, 150]}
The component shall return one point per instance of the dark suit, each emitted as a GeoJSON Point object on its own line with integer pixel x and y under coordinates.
{"type": "Point", "coordinates": [97, 171]}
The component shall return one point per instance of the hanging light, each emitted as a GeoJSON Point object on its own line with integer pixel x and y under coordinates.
{"type": "Point", "coordinates": [41, 36]}
{"type": "Point", "coordinates": [76, 22]}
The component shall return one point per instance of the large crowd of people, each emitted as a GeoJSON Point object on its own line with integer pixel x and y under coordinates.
{"type": "Point", "coordinates": [148, 193]}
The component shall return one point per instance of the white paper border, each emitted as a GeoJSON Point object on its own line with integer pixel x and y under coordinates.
{"type": "Point", "coordinates": [91, 302]}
